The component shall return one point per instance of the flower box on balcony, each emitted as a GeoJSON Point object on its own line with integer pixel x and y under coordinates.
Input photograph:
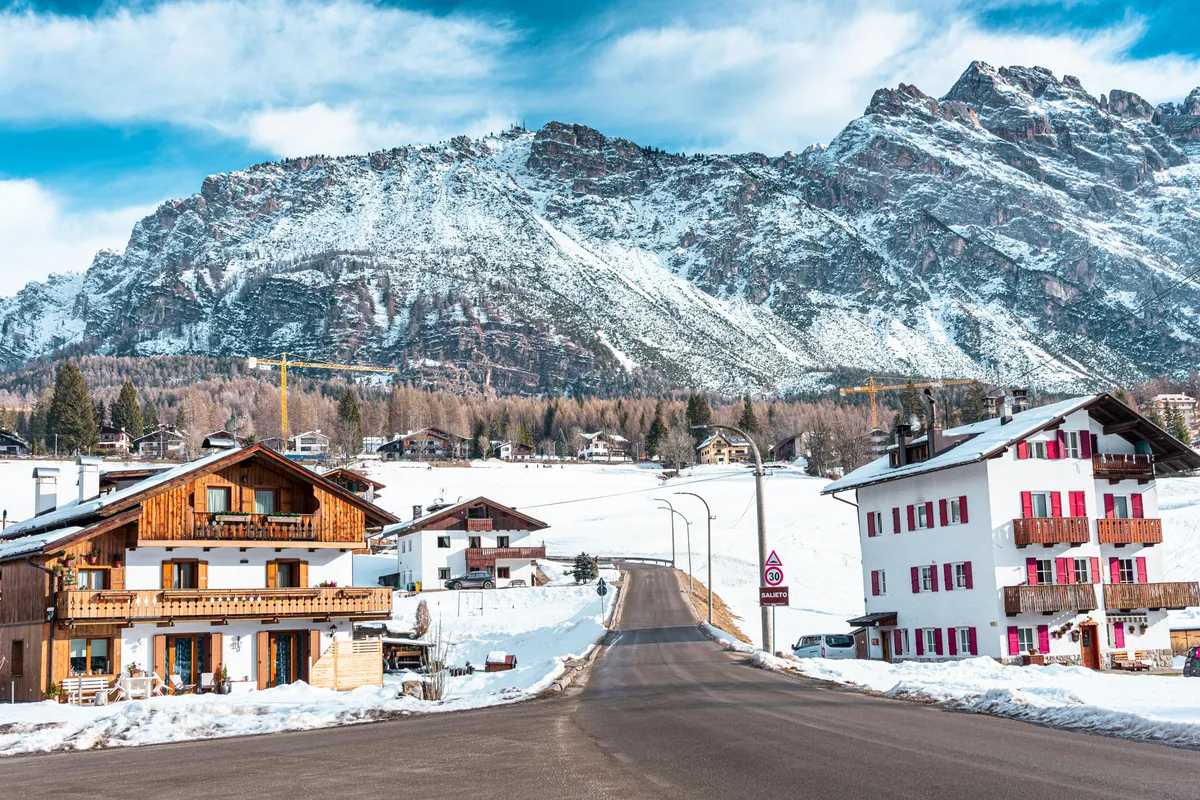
{"type": "Point", "coordinates": [283, 520]}
{"type": "Point", "coordinates": [220, 519]}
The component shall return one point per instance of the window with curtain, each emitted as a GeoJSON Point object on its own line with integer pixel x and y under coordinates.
{"type": "Point", "coordinates": [89, 657]}
{"type": "Point", "coordinates": [1025, 639]}
{"type": "Point", "coordinates": [93, 579]}
{"type": "Point", "coordinates": [264, 501]}
{"type": "Point", "coordinates": [218, 500]}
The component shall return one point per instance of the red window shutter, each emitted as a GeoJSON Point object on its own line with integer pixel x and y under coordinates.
{"type": "Point", "coordinates": [933, 578]}
{"type": "Point", "coordinates": [1085, 445]}
{"type": "Point", "coordinates": [942, 512]}
{"type": "Point", "coordinates": [1044, 639]}
{"type": "Point", "coordinates": [1026, 504]}
{"type": "Point", "coordinates": [1031, 571]}
{"type": "Point", "coordinates": [874, 583]}
{"type": "Point", "coordinates": [1135, 505]}
{"type": "Point", "coordinates": [920, 642]}
{"type": "Point", "coordinates": [951, 641]}
{"type": "Point", "coordinates": [1022, 449]}
{"type": "Point", "coordinates": [929, 513]}
{"type": "Point", "coordinates": [1052, 451]}
{"type": "Point", "coordinates": [967, 570]}
{"type": "Point", "coordinates": [1062, 444]}
{"type": "Point", "coordinates": [948, 569]}
{"type": "Point", "coordinates": [1014, 641]}
{"type": "Point", "coordinates": [1060, 571]}
{"type": "Point", "coordinates": [897, 642]}
{"type": "Point", "coordinates": [1118, 634]}
{"type": "Point", "coordinates": [1141, 570]}
{"type": "Point", "coordinates": [1071, 571]}
{"type": "Point", "coordinates": [896, 520]}
{"type": "Point", "coordinates": [962, 509]}
{"type": "Point", "coordinates": [912, 518]}
{"type": "Point", "coordinates": [937, 641]}
{"type": "Point", "coordinates": [870, 523]}
{"type": "Point", "coordinates": [973, 642]}
{"type": "Point", "coordinates": [1114, 569]}
{"type": "Point", "coordinates": [916, 580]}
{"type": "Point", "coordinates": [1078, 504]}
{"type": "Point", "coordinates": [1095, 569]}
{"type": "Point", "coordinates": [1056, 504]}
{"type": "Point", "coordinates": [1110, 505]}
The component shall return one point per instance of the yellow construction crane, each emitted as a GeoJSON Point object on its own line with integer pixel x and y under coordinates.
{"type": "Point", "coordinates": [874, 386]}
{"type": "Point", "coordinates": [283, 363]}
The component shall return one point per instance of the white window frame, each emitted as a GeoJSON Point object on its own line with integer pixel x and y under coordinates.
{"type": "Point", "coordinates": [905, 645]}
{"type": "Point", "coordinates": [926, 578]}
{"type": "Point", "coordinates": [1071, 448]}
{"type": "Point", "coordinates": [1038, 450]}
{"type": "Point", "coordinates": [881, 576]}
{"type": "Point", "coordinates": [1086, 566]}
{"type": "Point", "coordinates": [958, 571]}
{"type": "Point", "coordinates": [1045, 566]}
{"type": "Point", "coordinates": [443, 573]}
{"type": "Point", "coordinates": [445, 546]}
{"type": "Point", "coordinates": [878, 517]}
{"type": "Point", "coordinates": [930, 636]}
{"type": "Point", "coordinates": [1127, 566]}
{"type": "Point", "coordinates": [921, 516]}
{"type": "Point", "coordinates": [954, 511]}
{"type": "Point", "coordinates": [1049, 505]}
{"type": "Point", "coordinates": [1120, 500]}
{"type": "Point", "coordinates": [964, 641]}
{"type": "Point", "coordinates": [1026, 639]}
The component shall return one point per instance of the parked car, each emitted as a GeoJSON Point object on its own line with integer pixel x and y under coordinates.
{"type": "Point", "coordinates": [472, 580]}
{"type": "Point", "coordinates": [1191, 666]}
{"type": "Point", "coordinates": [825, 645]}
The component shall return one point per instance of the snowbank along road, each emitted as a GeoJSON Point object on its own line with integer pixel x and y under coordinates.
{"type": "Point", "coordinates": [663, 714]}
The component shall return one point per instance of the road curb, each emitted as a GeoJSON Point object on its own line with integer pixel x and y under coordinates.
{"type": "Point", "coordinates": [577, 667]}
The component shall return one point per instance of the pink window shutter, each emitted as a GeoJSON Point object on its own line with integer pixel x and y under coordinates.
{"type": "Point", "coordinates": [948, 569]}
{"type": "Point", "coordinates": [942, 512]}
{"type": "Point", "coordinates": [920, 642]}
{"type": "Point", "coordinates": [1022, 449]}
{"type": "Point", "coordinates": [1110, 506]}
{"type": "Point", "coordinates": [937, 641]}
{"type": "Point", "coordinates": [1142, 576]}
{"type": "Point", "coordinates": [1095, 569]}
{"type": "Point", "coordinates": [933, 578]}
{"type": "Point", "coordinates": [1056, 504]}
{"type": "Point", "coordinates": [1085, 445]}
{"type": "Point", "coordinates": [974, 644]}
{"type": "Point", "coordinates": [967, 576]}
{"type": "Point", "coordinates": [875, 583]}
{"type": "Point", "coordinates": [962, 509]}
{"type": "Point", "coordinates": [1043, 639]}
{"type": "Point", "coordinates": [929, 513]}
{"type": "Point", "coordinates": [1026, 504]}
{"type": "Point", "coordinates": [896, 520]}
{"type": "Point", "coordinates": [912, 518]}
{"type": "Point", "coordinates": [1061, 571]}
{"type": "Point", "coordinates": [1052, 451]}
{"type": "Point", "coordinates": [1014, 641]}
{"type": "Point", "coordinates": [870, 523]}
{"type": "Point", "coordinates": [916, 580]}
{"type": "Point", "coordinates": [951, 641]}
{"type": "Point", "coordinates": [897, 643]}
{"type": "Point", "coordinates": [1118, 634]}
{"type": "Point", "coordinates": [1062, 444]}
{"type": "Point", "coordinates": [1031, 571]}
{"type": "Point", "coordinates": [1114, 570]}
{"type": "Point", "coordinates": [1135, 506]}
{"type": "Point", "coordinates": [1078, 504]}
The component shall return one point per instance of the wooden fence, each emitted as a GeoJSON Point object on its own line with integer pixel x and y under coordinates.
{"type": "Point", "coordinates": [349, 664]}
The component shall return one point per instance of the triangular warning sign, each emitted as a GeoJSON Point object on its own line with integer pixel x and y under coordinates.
{"type": "Point", "coordinates": [773, 560]}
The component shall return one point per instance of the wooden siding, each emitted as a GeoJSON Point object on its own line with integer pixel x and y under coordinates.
{"type": "Point", "coordinates": [30, 685]}
{"type": "Point", "coordinates": [215, 604]}
{"type": "Point", "coordinates": [348, 665]}
{"type": "Point", "coordinates": [1129, 531]}
{"type": "Point", "coordinates": [1182, 641]}
{"type": "Point", "coordinates": [26, 593]}
{"type": "Point", "coordinates": [487, 556]}
{"type": "Point", "coordinates": [1151, 595]}
{"type": "Point", "coordinates": [1122, 465]}
{"type": "Point", "coordinates": [1043, 599]}
{"type": "Point", "coordinates": [1051, 530]}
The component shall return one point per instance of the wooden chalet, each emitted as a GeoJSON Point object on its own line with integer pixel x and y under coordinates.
{"type": "Point", "coordinates": [12, 445]}
{"type": "Point", "coordinates": [354, 482]}
{"type": "Point", "coordinates": [164, 444]}
{"type": "Point", "coordinates": [241, 560]}
{"type": "Point", "coordinates": [427, 444]}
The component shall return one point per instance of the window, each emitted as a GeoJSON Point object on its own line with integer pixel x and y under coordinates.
{"type": "Point", "coordinates": [1083, 572]}
{"type": "Point", "coordinates": [443, 573]}
{"type": "Point", "coordinates": [881, 576]}
{"type": "Point", "coordinates": [264, 501]}
{"type": "Point", "coordinates": [1128, 571]}
{"type": "Point", "coordinates": [1041, 505]}
{"type": "Point", "coordinates": [954, 510]}
{"type": "Point", "coordinates": [927, 578]}
{"type": "Point", "coordinates": [1037, 449]}
{"type": "Point", "coordinates": [874, 523]}
{"type": "Point", "coordinates": [443, 541]}
{"type": "Point", "coordinates": [901, 641]}
{"type": "Point", "coordinates": [1120, 507]}
{"type": "Point", "coordinates": [16, 661]}
{"type": "Point", "coordinates": [474, 541]}
{"type": "Point", "coordinates": [1025, 639]}
{"type": "Point", "coordinates": [931, 643]}
{"type": "Point", "coordinates": [960, 576]}
{"type": "Point", "coordinates": [93, 579]}
{"type": "Point", "coordinates": [1071, 440]}
{"type": "Point", "coordinates": [964, 640]}
{"type": "Point", "coordinates": [503, 572]}
{"type": "Point", "coordinates": [477, 512]}
{"type": "Point", "coordinates": [218, 500]}
{"type": "Point", "coordinates": [89, 657]}
{"type": "Point", "coordinates": [180, 575]}
{"type": "Point", "coordinates": [287, 575]}
{"type": "Point", "coordinates": [1045, 571]}
{"type": "Point", "coordinates": [502, 541]}
{"type": "Point", "coordinates": [922, 516]}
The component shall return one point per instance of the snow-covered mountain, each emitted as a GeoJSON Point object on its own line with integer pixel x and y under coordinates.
{"type": "Point", "coordinates": [1014, 219]}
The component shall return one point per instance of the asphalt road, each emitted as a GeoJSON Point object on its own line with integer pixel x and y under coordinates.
{"type": "Point", "coordinates": [663, 714]}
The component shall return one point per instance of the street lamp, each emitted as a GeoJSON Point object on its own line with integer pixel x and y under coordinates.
{"type": "Point", "coordinates": [671, 508]}
{"type": "Point", "coordinates": [688, 525]}
{"type": "Point", "coordinates": [768, 637]}
{"type": "Point", "coordinates": [708, 514]}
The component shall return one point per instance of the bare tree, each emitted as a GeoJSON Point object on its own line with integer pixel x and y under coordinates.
{"type": "Point", "coordinates": [678, 448]}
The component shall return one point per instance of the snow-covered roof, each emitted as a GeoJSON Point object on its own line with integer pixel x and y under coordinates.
{"type": "Point", "coordinates": [1172, 398]}
{"type": "Point", "coordinates": [612, 437]}
{"type": "Point", "coordinates": [402, 528]}
{"type": "Point", "coordinates": [730, 438]}
{"type": "Point", "coordinates": [986, 438]}
{"type": "Point", "coordinates": [28, 545]}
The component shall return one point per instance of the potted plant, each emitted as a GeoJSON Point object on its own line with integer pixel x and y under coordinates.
{"type": "Point", "coordinates": [69, 558]}
{"type": "Point", "coordinates": [68, 577]}
{"type": "Point", "coordinates": [1143, 628]}
{"type": "Point", "coordinates": [1034, 657]}
{"type": "Point", "coordinates": [327, 585]}
{"type": "Point", "coordinates": [93, 557]}
{"type": "Point", "coordinates": [118, 562]}
{"type": "Point", "coordinates": [226, 685]}
{"type": "Point", "coordinates": [56, 693]}
{"type": "Point", "coordinates": [134, 670]}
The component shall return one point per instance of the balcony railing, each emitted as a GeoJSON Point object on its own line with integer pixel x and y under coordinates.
{"type": "Point", "coordinates": [1051, 530]}
{"type": "Point", "coordinates": [1048, 599]}
{"type": "Point", "coordinates": [479, 524]}
{"type": "Point", "coordinates": [298, 528]}
{"type": "Point", "coordinates": [1129, 531]}
{"type": "Point", "coordinates": [219, 604]}
{"type": "Point", "coordinates": [1151, 595]}
{"type": "Point", "coordinates": [488, 556]}
{"type": "Point", "coordinates": [1122, 465]}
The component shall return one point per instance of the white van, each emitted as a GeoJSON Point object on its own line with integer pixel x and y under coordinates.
{"type": "Point", "coordinates": [825, 645]}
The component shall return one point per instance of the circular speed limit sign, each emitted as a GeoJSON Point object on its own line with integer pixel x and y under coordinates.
{"type": "Point", "coordinates": [773, 576]}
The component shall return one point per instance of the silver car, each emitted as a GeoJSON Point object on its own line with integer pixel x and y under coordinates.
{"type": "Point", "coordinates": [472, 580]}
{"type": "Point", "coordinates": [825, 645]}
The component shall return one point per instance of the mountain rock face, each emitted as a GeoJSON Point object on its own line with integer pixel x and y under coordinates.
{"type": "Point", "coordinates": [1017, 223]}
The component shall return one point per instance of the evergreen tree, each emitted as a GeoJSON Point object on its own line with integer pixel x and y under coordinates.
{"type": "Point", "coordinates": [22, 424]}
{"type": "Point", "coordinates": [658, 431]}
{"type": "Point", "coordinates": [523, 434]}
{"type": "Point", "coordinates": [479, 441]}
{"type": "Point", "coordinates": [125, 412]}
{"type": "Point", "coordinates": [71, 415]}
{"type": "Point", "coordinates": [748, 421]}
{"type": "Point", "coordinates": [1176, 425]}
{"type": "Point", "coordinates": [972, 407]}
{"type": "Point", "coordinates": [39, 420]}
{"type": "Point", "coordinates": [1156, 418]}
{"type": "Point", "coordinates": [98, 412]}
{"type": "Point", "coordinates": [585, 568]}
{"type": "Point", "coordinates": [350, 429]}
{"type": "Point", "coordinates": [181, 419]}
{"type": "Point", "coordinates": [699, 414]}
{"type": "Point", "coordinates": [560, 444]}
{"type": "Point", "coordinates": [150, 421]}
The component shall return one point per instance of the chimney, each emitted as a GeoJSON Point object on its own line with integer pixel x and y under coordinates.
{"type": "Point", "coordinates": [89, 477]}
{"type": "Point", "coordinates": [903, 434]}
{"type": "Point", "coordinates": [933, 436]}
{"type": "Point", "coordinates": [417, 511]}
{"type": "Point", "coordinates": [1006, 410]}
{"type": "Point", "coordinates": [45, 490]}
{"type": "Point", "coordinates": [1020, 400]}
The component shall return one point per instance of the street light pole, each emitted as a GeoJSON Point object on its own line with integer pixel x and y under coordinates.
{"type": "Point", "coordinates": [670, 508]}
{"type": "Point", "coordinates": [688, 524]}
{"type": "Point", "coordinates": [710, 517]}
{"type": "Point", "coordinates": [767, 634]}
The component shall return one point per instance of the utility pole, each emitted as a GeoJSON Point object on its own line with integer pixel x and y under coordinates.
{"type": "Point", "coordinates": [768, 637]}
{"type": "Point", "coordinates": [710, 517]}
{"type": "Point", "coordinates": [670, 508]}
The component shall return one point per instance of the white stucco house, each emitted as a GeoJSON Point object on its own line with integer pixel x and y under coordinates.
{"type": "Point", "coordinates": [1030, 537]}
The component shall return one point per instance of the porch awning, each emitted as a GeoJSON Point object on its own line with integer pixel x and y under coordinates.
{"type": "Point", "coordinates": [880, 619]}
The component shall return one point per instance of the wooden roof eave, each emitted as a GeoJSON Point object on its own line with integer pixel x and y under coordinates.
{"type": "Point", "coordinates": [91, 532]}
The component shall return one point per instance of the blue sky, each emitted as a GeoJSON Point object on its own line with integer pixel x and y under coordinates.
{"type": "Point", "coordinates": [108, 108]}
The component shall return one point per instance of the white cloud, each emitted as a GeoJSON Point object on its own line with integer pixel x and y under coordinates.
{"type": "Point", "coordinates": [41, 236]}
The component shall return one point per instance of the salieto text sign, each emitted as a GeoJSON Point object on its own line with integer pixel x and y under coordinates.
{"type": "Point", "coordinates": [772, 595]}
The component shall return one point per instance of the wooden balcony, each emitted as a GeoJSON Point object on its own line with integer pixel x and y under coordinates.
{"type": "Point", "coordinates": [1151, 595]}
{"type": "Point", "coordinates": [488, 556]}
{"type": "Point", "coordinates": [1048, 599]}
{"type": "Point", "coordinates": [1049, 531]}
{"type": "Point", "coordinates": [474, 525]}
{"type": "Point", "coordinates": [1123, 466]}
{"type": "Point", "coordinates": [151, 605]}
{"type": "Point", "coordinates": [1129, 531]}
{"type": "Point", "coordinates": [257, 527]}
